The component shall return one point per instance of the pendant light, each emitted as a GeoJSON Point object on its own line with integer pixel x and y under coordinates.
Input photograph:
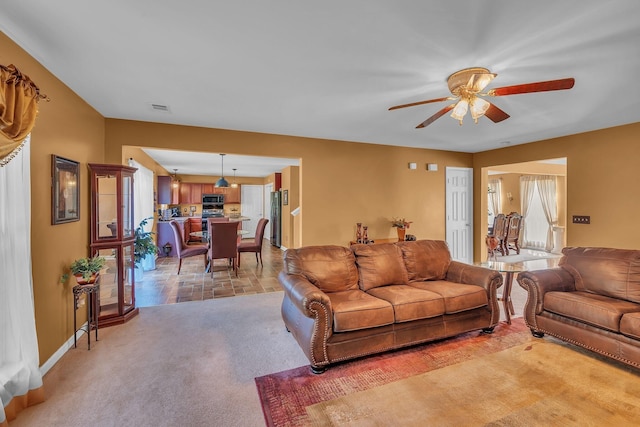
{"type": "Point", "coordinates": [222, 182]}
{"type": "Point", "coordinates": [234, 184]}
{"type": "Point", "coordinates": [175, 181]}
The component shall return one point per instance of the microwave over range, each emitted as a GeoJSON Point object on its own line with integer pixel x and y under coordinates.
{"type": "Point", "coordinates": [213, 199]}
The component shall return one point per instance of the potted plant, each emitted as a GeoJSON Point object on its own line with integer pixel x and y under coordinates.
{"type": "Point", "coordinates": [144, 244]}
{"type": "Point", "coordinates": [86, 269]}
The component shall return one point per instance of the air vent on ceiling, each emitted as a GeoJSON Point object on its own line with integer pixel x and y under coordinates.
{"type": "Point", "coordinates": [160, 107]}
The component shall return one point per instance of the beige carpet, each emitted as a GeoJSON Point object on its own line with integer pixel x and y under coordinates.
{"type": "Point", "coordinates": [536, 384]}
{"type": "Point", "coordinates": [187, 364]}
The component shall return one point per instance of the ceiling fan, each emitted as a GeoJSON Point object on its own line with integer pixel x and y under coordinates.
{"type": "Point", "coordinates": [466, 87]}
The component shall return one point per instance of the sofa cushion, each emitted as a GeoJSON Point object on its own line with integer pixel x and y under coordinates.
{"type": "Point", "coordinates": [330, 268]}
{"type": "Point", "coordinates": [606, 271]}
{"type": "Point", "coordinates": [353, 310]}
{"type": "Point", "coordinates": [457, 296]}
{"type": "Point", "coordinates": [379, 265]}
{"type": "Point", "coordinates": [426, 259]}
{"type": "Point", "coordinates": [594, 309]}
{"type": "Point", "coordinates": [630, 324]}
{"type": "Point", "coordinates": [410, 303]}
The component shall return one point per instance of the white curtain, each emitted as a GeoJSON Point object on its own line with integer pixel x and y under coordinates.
{"type": "Point", "coordinates": [527, 188]}
{"type": "Point", "coordinates": [547, 190]}
{"type": "Point", "coordinates": [19, 360]}
{"type": "Point", "coordinates": [143, 206]}
{"type": "Point", "coordinates": [495, 188]}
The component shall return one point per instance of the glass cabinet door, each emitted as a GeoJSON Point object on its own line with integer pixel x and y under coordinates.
{"type": "Point", "coordinates": [107, 213]}
{"type": "Point", "coordinates": [127, 205]}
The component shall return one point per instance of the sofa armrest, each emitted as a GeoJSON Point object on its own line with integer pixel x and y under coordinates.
{"type": "Point", "coordinates": [539, 282]}
{"type": "Point", "coordinates": [303, 294]}
{"type": "Point", "coordinates": [475, 275]}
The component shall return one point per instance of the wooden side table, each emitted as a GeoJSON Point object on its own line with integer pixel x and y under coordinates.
{"type": "Point", "coordinates": [92, 291]}
{"type": "Point", "coordinates": [376, 241]}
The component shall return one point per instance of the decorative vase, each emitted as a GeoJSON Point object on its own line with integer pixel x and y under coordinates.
{"type": "Point", "coordinates": [401, 233]}
{"type": "Point", "coordinates": [359, 232]}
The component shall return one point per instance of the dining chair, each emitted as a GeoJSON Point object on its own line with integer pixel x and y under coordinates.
{"type": "Point", "coordinates": [256, 244]}
{"type": "Point", "coordinates": [182, 249]}
{"type": "Point", "coordinates": [223, 243]}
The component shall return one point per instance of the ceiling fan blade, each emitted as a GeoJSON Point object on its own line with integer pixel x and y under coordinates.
{"type": "Point", "coordinates": [413, 104]}
{"type": "Point", "coordinates": [495, 114]}
{"type": "Point", "coordinates": [550, 85]}
{"type": "Point", "coordinates": [436, 116]}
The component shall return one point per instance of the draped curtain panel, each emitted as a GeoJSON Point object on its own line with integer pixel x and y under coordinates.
{"type": "Point", "coordinates": [18, 109]}
{"type": "Point", "coordinates": [20, 376]}
{"type": "Point", "coordinates": [547, 190]}
{"type": "Point", "coordinates": [143, 204]}
{"type": "Point", "coordinates": [527, 187]}
{"type": "Point", "coordinates": [495, 187]}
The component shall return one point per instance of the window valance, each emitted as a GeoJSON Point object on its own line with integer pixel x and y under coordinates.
{"type": "Point", "coordinates": [18, 108]}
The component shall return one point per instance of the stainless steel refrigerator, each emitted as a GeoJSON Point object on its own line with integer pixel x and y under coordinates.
{"type": "Point", "coordinates": [276, 213]}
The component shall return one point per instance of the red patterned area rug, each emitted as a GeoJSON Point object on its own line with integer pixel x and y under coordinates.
{"type": "Point", "coordinates": [286, 395]}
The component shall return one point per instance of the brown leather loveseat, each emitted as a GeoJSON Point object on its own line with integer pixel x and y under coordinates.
{"type": "Point", "coordinates": [343, 303]}
{"type": "Point", "coordinates": [591, 299]}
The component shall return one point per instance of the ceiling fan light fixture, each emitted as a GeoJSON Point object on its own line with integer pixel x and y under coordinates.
{"type": "Point", "coordinates": [478, 107]}
{"type": "Point", "coordinates": [222, 182]}
{"type": "Point", "coordinates": [460, 110]}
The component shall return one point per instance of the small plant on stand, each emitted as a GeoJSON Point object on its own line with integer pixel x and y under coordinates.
{"type": "Point", "coordinates": [86, 269]}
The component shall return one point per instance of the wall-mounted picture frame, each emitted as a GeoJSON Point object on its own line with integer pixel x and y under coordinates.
{"type": "Point", "coordinates": [285, 197]}
{"type": "Point", "coordinates": [65, 190]}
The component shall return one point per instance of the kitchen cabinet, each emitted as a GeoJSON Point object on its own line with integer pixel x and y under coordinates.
{"type": "Point", "coordinates": [190, 193]}
{"type": "Point", "coordinates": [113, 237]}
{"type": "Point", "coordinates": [232, 195]}
{"type": "Point", "coordinates": [208, 189]}
{"type": "Point", "coordinates": [164, 190]}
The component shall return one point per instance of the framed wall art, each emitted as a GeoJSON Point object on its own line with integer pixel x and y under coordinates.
{"type": "Point", "coordinates": [65, 190]}
{"type": "Point", "coordinates": [285, 197]}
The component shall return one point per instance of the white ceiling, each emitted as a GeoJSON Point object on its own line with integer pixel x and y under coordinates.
{"type": "Point", "coordinates": [332, 69]}
{"type": "Point", "coordinates": [192, 163]}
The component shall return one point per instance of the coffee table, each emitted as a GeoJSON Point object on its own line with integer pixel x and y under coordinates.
{"type": "Point", "coordinates": [508, 268]}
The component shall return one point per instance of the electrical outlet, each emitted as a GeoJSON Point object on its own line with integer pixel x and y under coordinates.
{"type": "Point", "coordinates": [581, 219]}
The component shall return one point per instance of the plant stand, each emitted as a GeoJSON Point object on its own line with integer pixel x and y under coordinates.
{"type": "Point", "coordinates": [92, 291]}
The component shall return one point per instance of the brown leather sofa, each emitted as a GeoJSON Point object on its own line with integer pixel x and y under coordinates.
{"type": "Point", "coordinates": [343, 303]}
{"type": "Point", "coordinates": [592, 299]}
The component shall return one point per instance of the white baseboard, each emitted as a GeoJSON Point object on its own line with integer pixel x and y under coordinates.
{"type": "Point", "coordinates": [61, 351]}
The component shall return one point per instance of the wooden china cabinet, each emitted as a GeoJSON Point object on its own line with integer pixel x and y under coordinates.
{"type": "Point", "coordinates": [113, 237]}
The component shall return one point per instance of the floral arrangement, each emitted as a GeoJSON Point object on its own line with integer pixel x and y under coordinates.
{"type": "Point", "coordinates": [400, 223]}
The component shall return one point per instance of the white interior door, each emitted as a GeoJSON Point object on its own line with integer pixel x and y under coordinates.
{"type": "Point", "coordinates": [251, 206]}
{"type": "Point", "coordinates": [459, 225]}
{"type": "Point", "coordinates": [268, 188]}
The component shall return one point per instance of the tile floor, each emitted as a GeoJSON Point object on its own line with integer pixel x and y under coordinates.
{"type": "Point", "coordinates": [164, 286]}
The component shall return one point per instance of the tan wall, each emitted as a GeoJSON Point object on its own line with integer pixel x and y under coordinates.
{"type": "Point", "coordinates": [603, 169]}
{"type": "Point", "coordinates": [68, 127]}
{"type": "Point", "coordinates": [342, 183]}
{"type": "Point", "coordinates": [291, 184]}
